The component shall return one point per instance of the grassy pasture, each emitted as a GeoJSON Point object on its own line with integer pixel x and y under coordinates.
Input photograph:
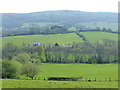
{"type": "Point", "coordinates": [43, 39]}
{"type": "Point", "coordinates": [59, 38]}
{"type": "Point", "coordinates": [38, 24]}
{"type": "Point", "coordinates": [97, 36]}
{"type": "Point", "coordinates": [90, 71]}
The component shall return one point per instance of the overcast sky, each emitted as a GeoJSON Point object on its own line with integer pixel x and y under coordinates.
{"type": "Point", "coordinates": [26, 6]}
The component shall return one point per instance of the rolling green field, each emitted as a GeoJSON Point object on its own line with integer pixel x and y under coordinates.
{"type": "Point", "coordinates": [101, 72]}
{"type": "Point", "coordinates": [96, 36]}
{"type": "Point", "coordinates": [43, 39]}
{"type": "Point", "coordinates": [58, 38]}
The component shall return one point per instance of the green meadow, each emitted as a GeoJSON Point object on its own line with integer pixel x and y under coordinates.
{"type": "Point", "coordinates": [58, 38]}
{"type": "Point", "coordinates": [43, 39]}
{"type": "Point", "coordinates": [97, 36]}
{"type": "Point", "coordinates": [102, 73]}
{"type": "Point", "coordinates": [92, 71]}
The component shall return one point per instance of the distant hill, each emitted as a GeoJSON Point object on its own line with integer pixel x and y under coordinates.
{"type": "Point", "coordinates": [13, 20]}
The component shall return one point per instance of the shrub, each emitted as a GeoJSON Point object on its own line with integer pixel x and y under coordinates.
{"type": "Point", "coordinates": [30, 70]}
{"type": "Point", "coordinates": [10, 69]}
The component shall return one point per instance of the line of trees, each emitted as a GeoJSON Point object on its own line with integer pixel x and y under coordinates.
{"type": "Point", "coordinates": [98, 30]}
{"type": "Point", "coordinates": [33, 30]}
{"type": "Point", "coordinates": [50, 29]}
{"type": "Point", "coordinates": [100, 53]}
{"type": "Point", "coordinates": [105, 51]}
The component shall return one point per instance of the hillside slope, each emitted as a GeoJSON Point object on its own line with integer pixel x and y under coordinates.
{"type": "Point", "coordinates": [59, 16]}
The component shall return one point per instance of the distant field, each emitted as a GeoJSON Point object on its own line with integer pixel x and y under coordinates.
{"type": "Point", "coordinates": [101, 72]}
{"type": "Point", "coordinates": [58, 38]}
{"type": "Point", "coordinates": [38, 24]}
{"type": "Point", "coordinates": [96, 36]}
{"type": "Point", "coordinates": [112, 26]}
{"type": "Point", "coordinates": [43, 39]}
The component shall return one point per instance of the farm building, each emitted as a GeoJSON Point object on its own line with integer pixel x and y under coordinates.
{"type": "Point", "coordinates": [35, 44]}
{"type": "Point", "coordinates": [63, 45]}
